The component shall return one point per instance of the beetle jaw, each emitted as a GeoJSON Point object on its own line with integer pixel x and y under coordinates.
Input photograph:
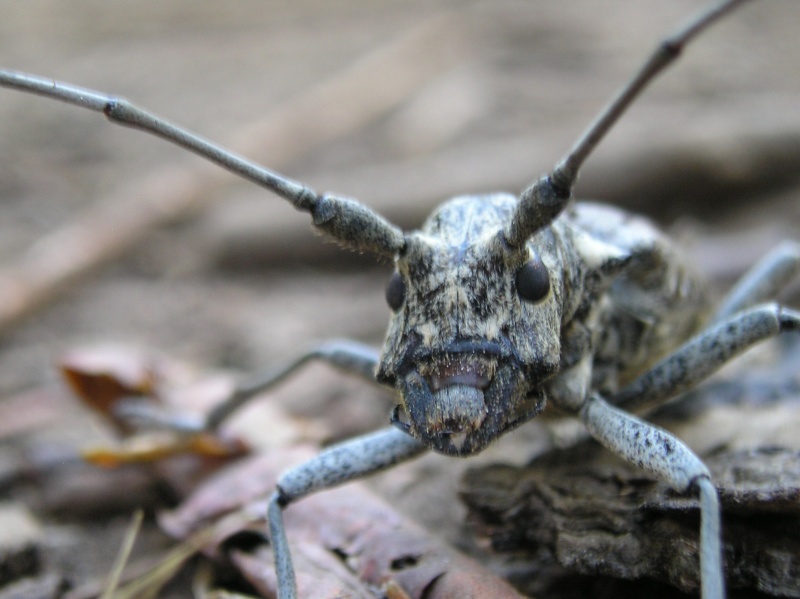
{"type": "Point", "coordinates": [459, 404]}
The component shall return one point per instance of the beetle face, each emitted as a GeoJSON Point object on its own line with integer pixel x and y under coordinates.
{"type": "Point", "coordinates": [475, 330]}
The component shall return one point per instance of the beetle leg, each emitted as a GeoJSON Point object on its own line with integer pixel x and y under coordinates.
{"type": "Point", "coordinates": [336, 465]}
{"type": "Point", "coordinates": [350, 357]}
{"type": "Point", "coordinates": [763, 282]}
{"type": "Point", "coordinates": [660, 453]}
{"type": "Point", "coordinates": [702, 355]}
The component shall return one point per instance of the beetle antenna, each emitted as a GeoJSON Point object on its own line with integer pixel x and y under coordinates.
{"type": "Point", "coordinates": [350, 222]}
{"type": "Point", "coordinates": [545, 198]}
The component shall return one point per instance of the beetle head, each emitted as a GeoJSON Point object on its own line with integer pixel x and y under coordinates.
{"type": "Point", "coordinates": [476, 326]}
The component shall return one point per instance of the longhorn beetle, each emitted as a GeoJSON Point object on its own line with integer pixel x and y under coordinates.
{"type": "Point", "coordinates": [503, 303]}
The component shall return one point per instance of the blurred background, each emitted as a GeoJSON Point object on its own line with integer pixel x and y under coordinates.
{"type": "Point", "coordinates": [400, 104]}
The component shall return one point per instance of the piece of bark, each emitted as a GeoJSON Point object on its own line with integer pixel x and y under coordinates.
{"type": "Point", "coordinates": [610, 520]}
{"type": "Point", "coordinates": [345, 540]}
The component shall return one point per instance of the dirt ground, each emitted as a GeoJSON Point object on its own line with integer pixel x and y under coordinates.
{"type": "Point", "coordinates": [399, 104]}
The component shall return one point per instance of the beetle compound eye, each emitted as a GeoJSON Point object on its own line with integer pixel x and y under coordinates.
{"type": "Point", "coordinates": [533, 281]}
{"type": "Point", "coordinates": [396, 292]}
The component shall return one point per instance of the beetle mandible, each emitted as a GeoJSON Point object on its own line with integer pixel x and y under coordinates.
{"type": "Point", "coordinates": [502, 304]}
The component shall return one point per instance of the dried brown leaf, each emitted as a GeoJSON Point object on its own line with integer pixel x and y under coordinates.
{"type": "Point", "coordinates": [101, 376]}
{"type": "Point", "coordinates": [355, 538]}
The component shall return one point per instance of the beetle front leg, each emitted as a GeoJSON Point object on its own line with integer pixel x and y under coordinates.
{"type": "Point", "coordinates": [336, 465]}
{"type": "Point", "coordinates": [660, 453]}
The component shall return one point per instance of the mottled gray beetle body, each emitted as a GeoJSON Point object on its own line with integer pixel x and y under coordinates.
{"type": "Point", "coordinates": [472, 359]}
